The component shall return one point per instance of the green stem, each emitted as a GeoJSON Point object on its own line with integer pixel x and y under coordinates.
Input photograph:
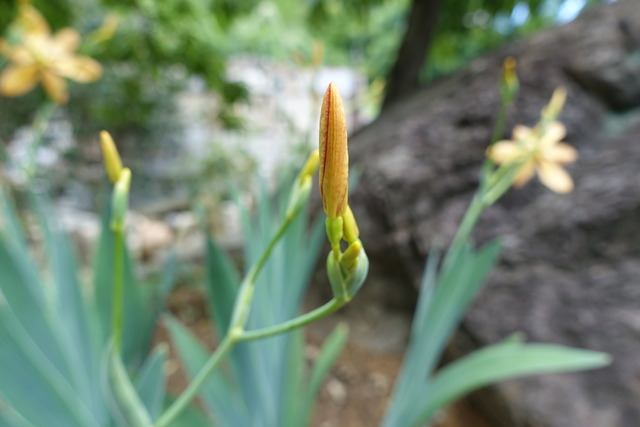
{"type": "Point", "coordinates": [236, 327]}
{"type": "Point", "coordinates": [198, 382]}
{"type": "Point", "coordinates": [495, 184]}
{"type": "Point", "coordinates": [118, 287]}
{"type": "Point", "coordinates": [40, 124]}
{"type": "Point", "coordinates": [292, 324]}
{"type": "Point", "coordinates": [501, 121]}
{"type": "Point", "coordinates": [245, 293]}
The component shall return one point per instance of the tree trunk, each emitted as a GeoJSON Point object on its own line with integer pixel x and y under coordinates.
{"type": "Point", "coordinates": [404, 78]}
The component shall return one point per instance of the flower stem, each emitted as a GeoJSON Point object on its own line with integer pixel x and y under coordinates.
{"type": "Point", "coordinates": [118, 286]}
{"type": "Point", "coordinates": [238, 320]}
{"type": "Point", "coordinates": [198, 382]}
{"type": "Point", "coordinates": [295, 323]}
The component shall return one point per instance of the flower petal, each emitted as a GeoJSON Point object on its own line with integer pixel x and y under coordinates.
{"type": "Point", "coordinates": [79, 68]}
{"type": "Point", "coordinates": [17, 80]}
{"type": "Point", "coordinates": [20, 55]}
{"type": "Point", "coordinates": [504, 152]}
{"type": "Point", "coordinates": [555, 177]}
{"type": "Point", "coordinates": [32, 21]}
{"type": "Point", "coordinates": [521, 132]}
{"type": "Point", "coordinates": [524, 174]}
{"type": "Point", "coordinates": [561, 153]}
{"type": "Point", "coordinates": [554, 133]}
{"type": "Point", "coordinates": [55, 87]}
{"type": "Point", "coordinates": [67, 40]}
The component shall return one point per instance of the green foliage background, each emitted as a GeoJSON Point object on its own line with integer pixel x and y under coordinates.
{"type": "Point", "coordinates": [160, 45]}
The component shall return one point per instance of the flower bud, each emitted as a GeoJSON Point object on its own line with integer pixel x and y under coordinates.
{"type": "Point", "coordinates": [349, 258]}
{"type": "Point", "coordinates": [310, 166]}
{"type": "Point", "coordinates": [112, 162]}
{"type": "Point", "coordinates": [349, 226]}
{"type": "Point", "coordinates": [345, 283]}
{"type": "Point", "coordinates": [552, 110]}
{"type": "Point", "coordinates": [120, 200]}
{"type": "Point", "coordinates": [334, 157]}
{"type": "Point", "coordinates": [509, 84]}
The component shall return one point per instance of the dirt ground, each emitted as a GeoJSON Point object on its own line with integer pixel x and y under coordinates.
{"type": "Point", "coordinates": [357, 390]}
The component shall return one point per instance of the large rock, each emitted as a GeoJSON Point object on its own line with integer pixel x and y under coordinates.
{"type": "Point", "coordinates": [570, 270]}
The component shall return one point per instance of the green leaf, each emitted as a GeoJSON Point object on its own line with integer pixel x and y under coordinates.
{"type": "Point", "coordinates": [223, 282]}
{"type": "Point", "coordinates": [292, 410]}
{"type": "Point", "coordinates": [127, 403]}
{"type": "Point", "coordinates": [28, 308]}
{"type": "Point", "coordinates": [329, 353]}
{"type": "Point", "coordinates": [28, 375]}
{"type": "Point", "coordinates": [10, 418]}
{"type": "Point", "coordinates": [73, 333]}
{"type": "Point", "coordinates": [150, 382]}
{"type": "Point", "coordinates": [438, 313]}
{"type": "Point", "coordinates": [499, 362]}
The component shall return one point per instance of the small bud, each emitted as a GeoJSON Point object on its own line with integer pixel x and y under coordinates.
{"type": "Point", "coordinates": [310, 166]}
{"type": "Point", "coordinates": [345, 284]}
{"type": "Point", "coordinates": [509, 84]}
{"type": "Point", "coordinates": [120, 200]}
{"type": "Point", "coordinates": [334, 157]}
{"type": "Point", "coordinates": [349, 258]}
{"type": "Point", "coordinates": [350, 227]}
{"type": "Point", "coordinates": [299, 196]}
{"type": "Point", "coordinates": [553, 109]}
{"type": "Point", "coordinates": [106, 30]}
{"type": "Point", "coordinates": [112, 162]}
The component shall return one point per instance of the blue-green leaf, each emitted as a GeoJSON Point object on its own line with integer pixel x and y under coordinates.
{"type": "Point", "coordinates": [499, 362]}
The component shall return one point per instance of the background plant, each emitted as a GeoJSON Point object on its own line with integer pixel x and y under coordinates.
{"type": "Point", "coordinates": [55, 329]}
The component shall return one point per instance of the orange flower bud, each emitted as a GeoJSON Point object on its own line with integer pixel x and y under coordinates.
{"type": "Point", "coordinates": [334, 157]}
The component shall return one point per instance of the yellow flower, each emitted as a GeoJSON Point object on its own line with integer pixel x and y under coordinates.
{"type": "Point", "coordinates": [334, 157]}
{"type": "Point", "coordinates": [43, 57]}
{"type": "Point", "coordinates": [537, 150]}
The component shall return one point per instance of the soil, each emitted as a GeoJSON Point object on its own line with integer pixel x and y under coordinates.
{"type": "Point", "coordinates": [357, 389]}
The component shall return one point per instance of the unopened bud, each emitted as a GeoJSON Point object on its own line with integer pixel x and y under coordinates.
{"type": "Point", "coordinates": [299, 196]}
{"type": "Point", "coordinates": [553, 109]}
{"type": "Point", "coordinates": [120, 200]}
{"type": "Point", "coordinates": [310, 166]}
{"type": "Point", "coordinates": [509, 84]}
{"type": "Point", "coordinates": [112, 162]}
{"type": "Point", "coordinates": [349, 258]}
{"type": "Point", "coordinates": [350, 227]}
{"type": "Point", "coordinates": [346, 283]}
{"type": "Point", "coordinates": [334, 156]}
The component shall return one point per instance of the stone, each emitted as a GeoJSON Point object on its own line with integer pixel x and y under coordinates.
{"type": "Point", "coordinates": [570, 269]}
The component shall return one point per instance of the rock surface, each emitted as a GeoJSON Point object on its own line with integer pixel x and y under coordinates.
{"type": "Point", "coordinates": [570, 270]}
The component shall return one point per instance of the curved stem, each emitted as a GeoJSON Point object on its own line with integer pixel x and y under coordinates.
{"type": "Point", "coordinates": [194, 387]}
{"type": "Point", "coordinates": [238, 321]}
{"type": "Point", "coordinates": [295, 323]}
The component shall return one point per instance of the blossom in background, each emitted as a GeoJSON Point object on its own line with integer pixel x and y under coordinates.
{"type": "Point", "coordinates": [334, 157]}
{"type": "Point", "coordinates": [538, 150]}
{"type": "Point", "coordinates": [44, 57]}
